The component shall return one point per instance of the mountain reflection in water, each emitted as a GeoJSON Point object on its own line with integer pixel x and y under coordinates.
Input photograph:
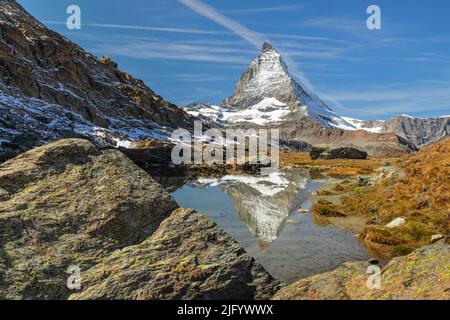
{"type": "Point", "coordinates": [261, 213]}
{"type": "Point", "coordinates": [264, 203]}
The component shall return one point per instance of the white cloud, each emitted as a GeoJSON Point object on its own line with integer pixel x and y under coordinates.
{"type": "Point", "coordinates": [424, 97]}
{"type": "Point", "coordinates": [285, 8]}
{"type": "Point", "coordinates": [153, 49]}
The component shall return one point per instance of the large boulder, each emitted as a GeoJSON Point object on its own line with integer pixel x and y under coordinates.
{"type": "Point", "coordinates": [189, 257]}
{"type": "Point", "coordinates": [328, 153]}
{"type": "Point", "coordinates": [424, 274]}
{"type": "Point", "coordinates": [69, 204]}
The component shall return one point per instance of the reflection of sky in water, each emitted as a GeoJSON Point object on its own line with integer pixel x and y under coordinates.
{"type": "Point", "coordinates": [255, 210]}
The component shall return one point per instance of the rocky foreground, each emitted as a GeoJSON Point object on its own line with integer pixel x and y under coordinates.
{"type": "Point", "coordinates": [424, 274]}
{"type": "Point", "coordinates": [68, 203]}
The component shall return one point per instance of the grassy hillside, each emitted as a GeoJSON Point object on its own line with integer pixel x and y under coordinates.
{"type": "Point", "coordinates": [419, 193]}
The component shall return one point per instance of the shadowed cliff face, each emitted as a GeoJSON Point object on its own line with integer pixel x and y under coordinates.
{"type": "Point", "coordinates": [421, 132]}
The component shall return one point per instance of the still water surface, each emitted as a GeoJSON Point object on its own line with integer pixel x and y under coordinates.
{"type": "Point", "coordinates": [262, 214]}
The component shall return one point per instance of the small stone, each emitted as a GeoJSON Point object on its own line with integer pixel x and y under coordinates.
{"type": "Point", "coordinates": [373, 221]}
{"type": "Point", "coordinates": [21, 206]}
{"type": "Point", "coordinates": [435, 238]}
{"type": "Point", "coordinates": [303, 211]}
{"type": "Point", "coordinates": [365, 181]}
{"type": "Point", "coordinates": [396, 223]}
{"type": "Point", "coordinates": [293, 222]}
{"type": "Point", "coordinates": [107, 60]}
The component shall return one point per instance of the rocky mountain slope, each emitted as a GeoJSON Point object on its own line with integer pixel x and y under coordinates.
{"type": "Point", "coordinates": [51, 88]}
{"type": "Point", "coordinates": [424, 274]}
{"type": "Point", "coordinates": [419, 131]}
{"type": "Point", "coordinates": [267, 94]}
{"type": "Point", "coordinates": [67, 203]}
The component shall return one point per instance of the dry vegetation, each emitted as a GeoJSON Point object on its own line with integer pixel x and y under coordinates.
{"type": "Point", "coordinates": [336, 167]}
{"type": "Point", "coordinates": [421, 197]}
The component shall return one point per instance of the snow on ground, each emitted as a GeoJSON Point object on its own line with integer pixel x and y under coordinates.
{"type": "Point", "coordinates": [268, 111]}
{"type": "Point", "coordinates": [359, 125]}
{"type": "Point", "coordinates": [50, 122]}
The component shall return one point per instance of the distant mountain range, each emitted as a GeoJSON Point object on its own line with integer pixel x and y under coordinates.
{"type": "Point", "coordinates": [50, 89]}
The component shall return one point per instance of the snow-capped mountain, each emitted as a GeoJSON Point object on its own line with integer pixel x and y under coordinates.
{"type": "Point", "coordinates": [267, 94]}
{"type": "Point", "coordinates": [51, 88]}
{"type": "Point", "coordinates": [420, 131]}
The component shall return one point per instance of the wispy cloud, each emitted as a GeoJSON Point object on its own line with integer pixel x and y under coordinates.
{"type": "Point", "coordinates": [335, 22]}
{"type": "Point", "coordinates": [154, 49]}
{"type": "Point", "coordinates": [143, 28]}
{"type": "Point", "coordinates": [284, 8]}
{"type": "Point", "coordinates": [195, 77]}
{"type": "Point", "coordinates": [351, 26]}
{"type": "Point", "coordinates": [383, 100]}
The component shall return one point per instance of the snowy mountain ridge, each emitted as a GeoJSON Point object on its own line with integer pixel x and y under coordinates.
{"type": "Point", "coordinates": [267, 85]}
{"type": "Point", "coordinates": [267, 95]}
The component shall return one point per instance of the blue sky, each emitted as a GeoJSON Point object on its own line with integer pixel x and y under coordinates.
{"type": "Point", "coordinates": [187, 53]}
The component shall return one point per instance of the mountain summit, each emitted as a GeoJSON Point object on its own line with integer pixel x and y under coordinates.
{"type": "Point", "coordinates": [267, 95]}
{"type": "Point", "coordinates": [267, 83]}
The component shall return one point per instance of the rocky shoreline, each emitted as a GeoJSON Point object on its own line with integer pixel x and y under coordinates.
{"type": "Point", "coordinates": [70, 204]}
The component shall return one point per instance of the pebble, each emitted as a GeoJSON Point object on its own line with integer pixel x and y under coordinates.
{"type": "Point", "coordinates": [396, 223]}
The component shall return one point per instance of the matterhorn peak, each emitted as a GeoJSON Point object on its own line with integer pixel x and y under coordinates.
{"type": "Point", "coordinates": [267, 83]}
{"type": "Point", "coordinates": [267, 46]}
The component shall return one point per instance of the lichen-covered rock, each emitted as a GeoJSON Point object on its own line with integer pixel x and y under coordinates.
{"type": "Point", "coordinates": [67, 203]}
{"type": "Point", "coordinates": [188, 257]}
{"type": "Point", "coordinates": [424, 274]}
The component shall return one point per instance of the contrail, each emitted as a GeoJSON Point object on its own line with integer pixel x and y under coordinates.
{"type": "Point", "coordinates": [209, 12]}
{"type": "Point", "coordinates": [253, 37]}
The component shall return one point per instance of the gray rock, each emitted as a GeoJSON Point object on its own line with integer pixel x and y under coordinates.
{"type": "Point", "coordinates": [188, 257]}
{"type": "Point", "coordinates": [337, 153]}
{"type": "Point", "coordinates": [398, 222]}
{"type": "Point", "coordinates": [426, 278]}
{"type": "Point", "coordinates": [72, 204]}
{"type": "Point", "coordinates": [365, 181]}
